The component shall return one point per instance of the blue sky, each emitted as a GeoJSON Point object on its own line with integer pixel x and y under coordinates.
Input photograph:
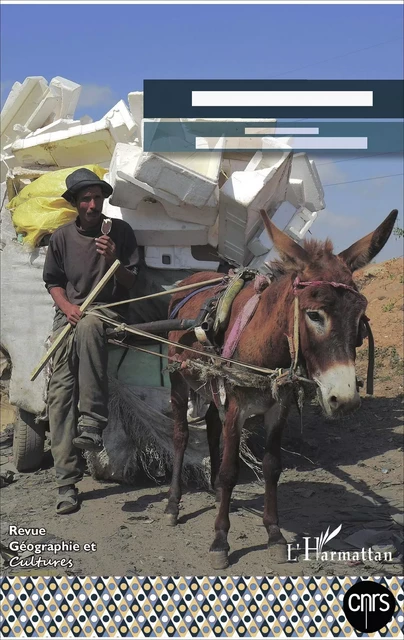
{"type": "Point", "coordinates": [110, 49]}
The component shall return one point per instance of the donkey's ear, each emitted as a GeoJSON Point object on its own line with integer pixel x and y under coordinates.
{"type": "Point", "coordinates": [287, 248]}
{"type": "Point", "coordinates": [363, 251]}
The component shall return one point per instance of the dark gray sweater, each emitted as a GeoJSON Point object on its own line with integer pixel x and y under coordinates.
{"type": "Point", "coordinates": [72, 261]}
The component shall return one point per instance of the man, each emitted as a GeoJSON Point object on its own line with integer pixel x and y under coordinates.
{"type": "Point", "coordinates": [78, 256]}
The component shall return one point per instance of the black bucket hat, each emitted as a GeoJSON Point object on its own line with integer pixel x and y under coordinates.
{"type": "Point", "coordinates": [81, 179]}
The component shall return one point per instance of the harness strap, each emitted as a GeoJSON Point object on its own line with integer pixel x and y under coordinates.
{"type": "Point", "coordinates": [244, 317]}
{"type": "Point", "coordinates": [315, 283]}
{"type": "Point", "coordinates": [188, 297]}
{"type": "Point", "coordinates": [371, 358]}
{"type": "Point", "coordinates": [295, 334]}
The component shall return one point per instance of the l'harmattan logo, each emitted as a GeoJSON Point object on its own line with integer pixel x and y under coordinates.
{"type": "Point", "coordinates": [318, 553]}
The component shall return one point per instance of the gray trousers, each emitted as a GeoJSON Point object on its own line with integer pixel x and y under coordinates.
{"type": "Point", "coordinates": [78, 391]}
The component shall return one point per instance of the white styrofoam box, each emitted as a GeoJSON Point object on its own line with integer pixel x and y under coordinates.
{"type": "Point", "coordinates": [59, 100]}
{"type": "Point", "coordinates": [68, 94]}
{"type": "Point", "coordinates": [135, 100]}
{"type": "Point", "coordinates": [44, 113]}
{"type": "Point", "coordinates": [295, 192]}
{"type": "Point", "coordinates": [236, 162]}
{"type": "Point", "coordinates": [121, 122]}
{"type": "Point", "coordinates": [301, 223]}
{"type": "Point", "coordinates": [84, 144]}
{"type": "Point", "coordinates": [206, 215]}
{"type": "Point", "coordinates": [21, 102]}
{"type": "Point", "coordinates": [152, 226]}
{"type": "Point", "coordinates": [129, 190]}
{"type": "Point", "coordinates": [124, 160]}
{"type": "Point", "coordinates": [58, 125]}
{"type": "Point", "coordinates": [241, 198]}
{"type": "Point", "coordinates": [176, 258]}
{"type": "Point", "coordinates": [306, 170]}
{"type": "Point", "coordinates": [191, 177]}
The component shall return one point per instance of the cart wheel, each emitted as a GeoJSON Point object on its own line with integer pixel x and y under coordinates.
{"type": "Point", "coordinates": [28, 442]}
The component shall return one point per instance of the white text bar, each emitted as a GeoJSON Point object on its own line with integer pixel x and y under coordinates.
{"type": "Point", "coordinates": [296, 143]}
{"type": "Point", "coordinates": [282, 130]}
{"type": "Point", "coordinates": [282, 98]}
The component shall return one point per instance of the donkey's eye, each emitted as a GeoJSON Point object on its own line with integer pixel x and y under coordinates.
{"type": "Point", "coordinates": [314, 316]}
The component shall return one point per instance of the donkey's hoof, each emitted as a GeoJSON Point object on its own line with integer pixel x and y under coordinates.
{"type": "Point", "coordinates": [171, 519]}
{"type": "Point", "coordinates": [278, 553]}
{"type": "Point", "coordinates": [219, 559]}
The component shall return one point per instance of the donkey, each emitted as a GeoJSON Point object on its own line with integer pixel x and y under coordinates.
{"type": "Point", "coordinates": [330, 309]}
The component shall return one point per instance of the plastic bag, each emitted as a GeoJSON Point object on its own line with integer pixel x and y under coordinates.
{"type": "Point", "coordinates": [39, 209]}
{"type": "Point", "coordinates": [37, 217]}
{"type": "Point", "coordinates": [50, 185]}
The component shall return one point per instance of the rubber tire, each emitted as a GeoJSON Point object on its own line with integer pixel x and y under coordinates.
{"type": "Point", "coordinates": [28, 442]}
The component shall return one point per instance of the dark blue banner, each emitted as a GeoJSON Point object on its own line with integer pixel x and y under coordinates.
{"type": "Point", "coordinates": [273, 99]}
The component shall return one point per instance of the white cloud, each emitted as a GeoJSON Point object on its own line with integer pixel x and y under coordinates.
{"type": "Point", "coordinates": [94, 95]}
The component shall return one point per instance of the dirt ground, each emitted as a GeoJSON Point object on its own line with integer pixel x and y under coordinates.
{"type": "Point", "coordinates": [347, 472]}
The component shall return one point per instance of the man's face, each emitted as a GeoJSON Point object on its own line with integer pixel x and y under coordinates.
{"type": "Point", "coordinates": [89, 204]}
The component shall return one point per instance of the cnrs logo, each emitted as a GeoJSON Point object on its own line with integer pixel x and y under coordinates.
{"type": "Point", "coordinates": [368, 606]}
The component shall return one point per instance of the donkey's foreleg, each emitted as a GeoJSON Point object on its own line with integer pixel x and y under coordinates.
{"type": "Point", "coordinates": [228, 474]}
{"type": "Point", "coordinates": [275, 419]}
{"type": "Point", "coordinates": [179, 402]}
{"type": "Point", "coordinates": [214, 429]}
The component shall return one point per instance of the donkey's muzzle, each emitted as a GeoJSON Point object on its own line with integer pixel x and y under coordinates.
{"type": "Point", "coordinates": [338, 390]}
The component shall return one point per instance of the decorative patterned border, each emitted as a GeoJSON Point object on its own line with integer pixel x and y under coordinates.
{"type": "Point", "coordinates": [186, 607]}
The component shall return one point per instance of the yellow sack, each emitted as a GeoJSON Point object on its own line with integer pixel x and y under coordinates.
{"type": "Point", "coordinates": [51, 185]}
{"type": "Point", "coordinates": [39, 208]}
{"type": "Point", "coordinates": [37, 217]}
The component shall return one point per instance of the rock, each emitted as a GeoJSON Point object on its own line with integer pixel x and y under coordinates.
{"type": "Point", "coordinates": [124, 532]}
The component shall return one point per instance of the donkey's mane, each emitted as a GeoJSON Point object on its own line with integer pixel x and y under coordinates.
{"type": "Point", "coordinates": [317, 250]}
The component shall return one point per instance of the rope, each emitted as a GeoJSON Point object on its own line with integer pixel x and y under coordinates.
{"type": "Point", "coordinates": [144, 334]}
{"type": "Point", "coordinates": [160, 293]}
{"type": "Point", "coordinates": [279, 376]}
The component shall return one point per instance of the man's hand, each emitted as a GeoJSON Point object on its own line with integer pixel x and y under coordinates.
{"type": "Point", "coordinates": [72, 313]}
{"type": "Point", "coordinates": [106, 247]}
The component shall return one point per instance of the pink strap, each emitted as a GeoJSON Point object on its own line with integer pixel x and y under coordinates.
{"type": "Point", "coordinates": [241, 321]}
{"type": "Point", "coordinates": [260, 283]}
{"type": "Point", "coordinates": [315, 283]}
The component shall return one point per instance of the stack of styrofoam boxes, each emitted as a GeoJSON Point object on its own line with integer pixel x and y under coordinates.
{"type": "Point", "coordinates": [186, 187]}
{"type": "Point", "coordinates": [170, 199]}
{"type": "Point", "coordinates": [31, 106]}
{"type": "Point", "coordinates": [38, 129]}
{"type": "Point", "coordinates": [188, 210]}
